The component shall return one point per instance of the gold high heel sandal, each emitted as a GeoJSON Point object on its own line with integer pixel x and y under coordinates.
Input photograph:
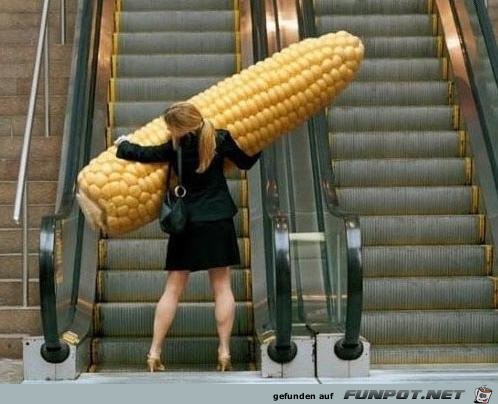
{"type": "Point", "coordinates": [154, 363]}
{"type": "Point", "coordinates": [224, 363]}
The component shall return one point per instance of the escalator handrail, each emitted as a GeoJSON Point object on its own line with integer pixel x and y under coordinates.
{"type": "Point", "coordinates": [351, 346]}
{"type": "Point", "coordinates": [488, 35]}
{"type": "Point", "coordinates": [73, 157]}
{"type": "Point", "coordinates": [282, 349]}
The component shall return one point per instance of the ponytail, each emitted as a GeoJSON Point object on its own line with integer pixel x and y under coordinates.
{"type": "Point", "coordinates": [207, 145]}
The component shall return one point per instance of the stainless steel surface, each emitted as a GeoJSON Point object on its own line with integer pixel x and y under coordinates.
{"type": "Point", "coordinates": [25, 271]}
{"type": "Point", "coordinates": [21, 191]}
{"type": "Point", "coordinates": [471, 118]}
{"type": "Point", "coordinates": [46, 84]}
{"type": "Point", "coordinates": [63, 21]}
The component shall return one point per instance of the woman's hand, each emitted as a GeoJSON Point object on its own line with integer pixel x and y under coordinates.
{"type": "Point", "coordinates": [120, 139]}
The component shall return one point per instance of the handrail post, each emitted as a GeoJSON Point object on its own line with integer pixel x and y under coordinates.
{"type": "Point", "coordinates": [21, 200]}
{"type": "Point", "coordinates": [63, 21]}
{"type": "Point", "coordinates": [25, 269]}
{"type": "Point", "coordinates": [46, 70]}
{"type": "Point", "coordinates": [31, 111]}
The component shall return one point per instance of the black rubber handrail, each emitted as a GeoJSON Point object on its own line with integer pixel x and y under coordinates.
{"type": "Point", "coordinates": [488, 34]}
{"type": "Point", "coordinates": [350, 346]}
{"type": "Point", "coordinates": [78, 122]}
{"type": "Point", "coordinates": [282, 349]}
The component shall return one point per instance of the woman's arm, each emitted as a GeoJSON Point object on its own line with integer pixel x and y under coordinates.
{"type": "Point", "coordinates": [237, 155]}
{"type": "Point", "coordinates": [145, 154]}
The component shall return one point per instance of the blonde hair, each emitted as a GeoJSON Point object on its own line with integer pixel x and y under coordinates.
{"type": "Point", "coordinates": [184, 117]}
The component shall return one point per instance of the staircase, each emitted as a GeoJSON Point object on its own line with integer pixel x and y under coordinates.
{"type": "Point", "coordinates": [166, 51]}
{"type": "Point", "coordinates": [401, 161]}
{"type": "Point", "coordinates": [19, 26]}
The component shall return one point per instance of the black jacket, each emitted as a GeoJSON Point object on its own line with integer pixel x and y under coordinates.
{"type": "Point", "coordinates": [208, 197]}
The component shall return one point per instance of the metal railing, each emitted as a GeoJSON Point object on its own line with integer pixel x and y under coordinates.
{"type": "Point", "coordinates": [282, 349]}
{"type": "Point", "coordinates": [21, 200]}
{"type": "Point", "coordinates": [350, 346]}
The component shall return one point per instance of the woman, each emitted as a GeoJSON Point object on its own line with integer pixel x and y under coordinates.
{"type": "Point", "coordinates": [209, 242]}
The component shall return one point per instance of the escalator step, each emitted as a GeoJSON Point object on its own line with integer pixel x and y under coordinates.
{"type": "Point", "coordinates": [395, 93]}
{"type": "Point", "coordinates": [176, 42]}
{"type": "Point", "coordinates": [191, 20]}
{"type": "Point", "coordinates": [434, 293]}
{"type": "Point", "coordinates": [176, 350]}
{"type": "Point", "coordinates": [424, 354]}
{"type": "Point", "coordinates": [344, 145]}
{"type": "Point", "coordinates": [409, 200]}
{"type": "Point", "coordinates": [445, 260]}
{"type": "Point", "coordinates": [420, 230]}
{"type": "Point", "coordinates": [122, 253]}
{"type": "Point", "coordinates": [147, 286]}
{"type": "Point", "coordinates": [392, 70]}
{"type": "Point", "coordinates": [137, 5]}
{"type": "Point", "coordinates": [191, 319]}
{"type": "Point", "coordinates": [370, 7]}
{"type": "Point", "coordinates": [401, 172]}
{"type": "Point", "coordinates": [153, 231]}
{"type": "Point", "coordinates": [397, 47]}
{"type": "Point", "coordinates": [173, 65]}
{"type": "Point", "coordinates": [431, 327]}
{"type": "Point", "coordinates": [390, 118]}
{"type": "Point", "coordinates": [161, 88]}
{"type": "Point", "coordinates": [376, 25]}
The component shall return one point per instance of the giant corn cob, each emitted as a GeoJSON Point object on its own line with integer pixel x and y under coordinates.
{"type": "Point", "coordinates": [256, 105]}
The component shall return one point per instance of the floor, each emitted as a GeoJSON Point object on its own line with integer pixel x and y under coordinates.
{"type": "Point", "coordinates": [11, 370]}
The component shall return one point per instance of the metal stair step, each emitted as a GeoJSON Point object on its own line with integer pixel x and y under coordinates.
{"type": "Point", "coordinates": [431, 293]}
{"type": "Point", "coordinates": [122, 253]}
{"type": "Point", "coordinates": [430, 326]}
{"type": "Point", "coordinates": [176, 20]}
{"type": "Point", "coordinates": [390, 118]}
{"type": "Point", "coordinates": [409, 200]}
{"type": "Point", "coordinates": [191, 319]}
{"type": "Point", "coordinates": [130, 113]}
{"type": "Point", "coordinates": [136, 5]}
{"type": "Point", "coordinates": [432, 354]}
{"type": "Point", "coordinates": [375, 25]}
{"type": "Point", "coordinates": [437, 260]}
{"type": "Point", "coordinates": [421, 144]}
{"type": "Point", "coordinates": [402, 69]}
{"type": "Point", "coordinates": [161, 88]}
{"type": "Point", "coordinates": [401, 47]}
{"type": "Point", "coordinates": [402, 172]}
{"type": "Point", "coordinates": [420, 230]}
{"type": "Point", "coordinates": [173, 65]}
{"type": "Point", "coordinates": [148, 286]}
{"type": "Point", "coordinates": [175, 42]}
{"type": "Point", "coordinates": [175, 350]}
{"type": "Point", "coordinates": [386, 7]}
{"type": "Point", "coordinates": [394, 93]}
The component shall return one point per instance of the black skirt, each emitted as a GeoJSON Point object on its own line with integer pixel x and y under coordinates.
{"type": "Point", "coordinates": [203, 245]}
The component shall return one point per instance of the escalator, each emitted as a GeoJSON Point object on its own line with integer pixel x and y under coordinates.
{"type": "Point", "coordinates": [404, 160]}
{"type": "Point", "coordinates": [165, 52]}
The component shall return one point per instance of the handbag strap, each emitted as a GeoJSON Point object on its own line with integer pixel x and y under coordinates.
{"type": "Point", "coordinates": [179, 154]}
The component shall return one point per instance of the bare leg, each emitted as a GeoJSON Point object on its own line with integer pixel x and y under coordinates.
{"type": "Point", "coordinates": [224, 306]}
{"type": "Point", "coordinates": [166, 308]}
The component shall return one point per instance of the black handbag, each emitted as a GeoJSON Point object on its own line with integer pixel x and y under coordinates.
{"type": "Point", "coordinates": [173, 216]}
